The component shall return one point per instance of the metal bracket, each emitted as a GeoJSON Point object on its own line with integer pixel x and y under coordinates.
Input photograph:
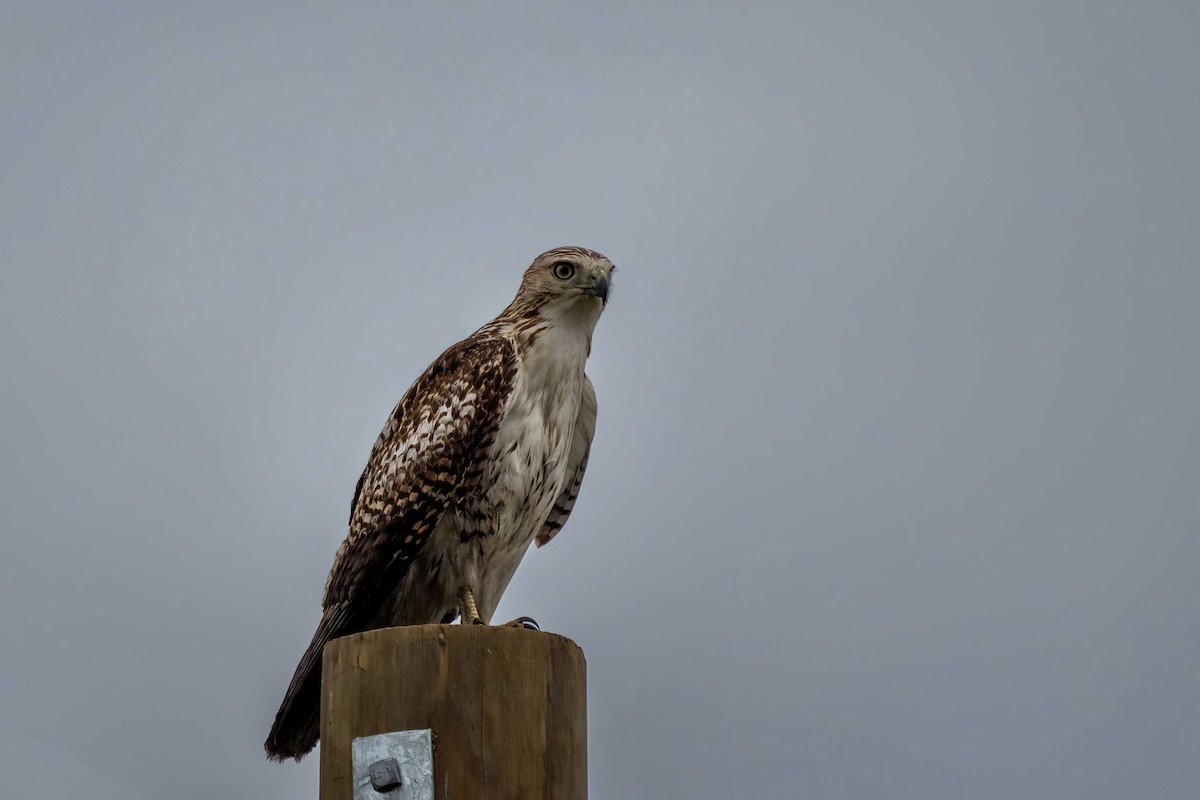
{"type": "Point", "coordinates": [393, 766]}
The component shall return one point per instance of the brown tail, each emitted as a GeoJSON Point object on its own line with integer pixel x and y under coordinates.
{"type": "Point", "coordinates": [298, 722]}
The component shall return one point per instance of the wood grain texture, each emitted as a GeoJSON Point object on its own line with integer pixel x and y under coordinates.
{"type": "Point", "coordinates": [507, 707]}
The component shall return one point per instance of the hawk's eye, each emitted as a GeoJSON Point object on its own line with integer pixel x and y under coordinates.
{"type": "Point", "coordinates": [563, 270]}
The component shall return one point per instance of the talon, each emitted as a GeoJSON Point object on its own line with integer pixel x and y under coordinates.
{"type": "Point", "coordinates": [527, 623]}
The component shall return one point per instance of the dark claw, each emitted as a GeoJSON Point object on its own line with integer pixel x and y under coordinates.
{"type": "Point", "coordinates": [528, 623]}
{"type": "Point", "coordinates": [478, 621]}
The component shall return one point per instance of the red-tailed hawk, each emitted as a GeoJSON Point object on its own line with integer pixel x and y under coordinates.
{"type": "Point", "coordinates": [484, 454]}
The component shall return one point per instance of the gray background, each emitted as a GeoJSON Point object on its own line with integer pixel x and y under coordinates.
{"type": "Point", "coordinates": [894, 493]}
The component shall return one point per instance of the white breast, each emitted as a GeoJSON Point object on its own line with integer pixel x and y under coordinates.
{"type": "Point", "coordinates": [528, 471]}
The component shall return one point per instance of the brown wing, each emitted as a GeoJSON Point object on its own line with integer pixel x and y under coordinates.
{"type": "Point", "coordinates": [581, 447]}
{"type": "Point", "coordinates": [429, 455]}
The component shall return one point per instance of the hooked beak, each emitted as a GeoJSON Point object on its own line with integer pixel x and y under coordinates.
{"type": "Point", "coordinates": [598, 286]}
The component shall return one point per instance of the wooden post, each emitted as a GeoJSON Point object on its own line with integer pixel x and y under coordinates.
{"type": "Point", "coordinates": [507, 708]}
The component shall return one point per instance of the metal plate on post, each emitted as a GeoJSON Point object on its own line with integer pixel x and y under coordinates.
{"type": "Point", "coordinates": [375, 760]}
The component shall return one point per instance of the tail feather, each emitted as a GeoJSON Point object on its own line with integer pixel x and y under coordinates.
{"type": "Point", "coordinates": [298, 722]}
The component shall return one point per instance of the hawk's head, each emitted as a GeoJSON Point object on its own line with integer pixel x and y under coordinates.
{"type": "Point", "coordinates": [566, 284]}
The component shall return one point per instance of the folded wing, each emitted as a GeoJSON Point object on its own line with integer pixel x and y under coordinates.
{"type": "Point", "coordinates": [429, 457]}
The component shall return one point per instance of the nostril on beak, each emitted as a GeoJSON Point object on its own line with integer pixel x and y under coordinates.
{"type": "Point", "coordinates": [599, 285]}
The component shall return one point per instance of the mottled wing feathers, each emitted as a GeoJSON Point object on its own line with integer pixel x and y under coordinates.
{"type": "Point", "coordinates": [581, 446]}
{"type": "Point", "coordinates": [429, 456]}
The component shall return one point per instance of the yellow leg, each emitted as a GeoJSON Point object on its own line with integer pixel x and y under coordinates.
{"type": "Point", "coordinates": [467, 609]}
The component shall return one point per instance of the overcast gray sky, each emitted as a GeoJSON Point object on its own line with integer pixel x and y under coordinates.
{"type": "Point", "coordinates": [895, 487]}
